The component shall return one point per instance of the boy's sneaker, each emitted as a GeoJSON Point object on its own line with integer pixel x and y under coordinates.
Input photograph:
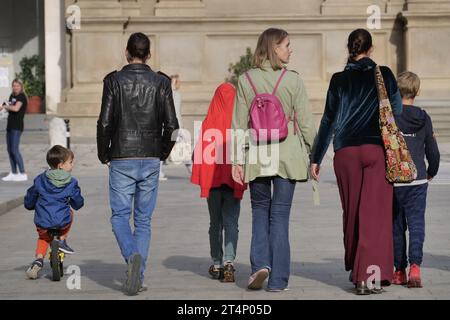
{"type": "Point", "coordinates": [399, 278]}
{"type": "Point", "coordinates": [215, 272]}
{"type": "Point", "coordinates": [64, 247]}
{"type": "Point", "coordinates": [414, 277]}
{"type": "Point", "coordinates": [33, 270]}
{"type": "Point", "coordinates": [228, 273]}
{"type": "Point", "coordinates": [10, 177]}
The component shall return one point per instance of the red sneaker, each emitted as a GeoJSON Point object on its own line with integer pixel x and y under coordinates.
{"type": "Point", "coordinates": [399, 278]}
{"type": "Point", "coordinates": [414, 277]}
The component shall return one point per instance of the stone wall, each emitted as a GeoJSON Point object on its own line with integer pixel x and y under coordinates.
{"type": "Point", "coordinates": [199, 39]}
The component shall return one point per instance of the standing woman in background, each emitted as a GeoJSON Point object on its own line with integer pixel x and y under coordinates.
{"type": "Point", "coordinates": [16, 107]}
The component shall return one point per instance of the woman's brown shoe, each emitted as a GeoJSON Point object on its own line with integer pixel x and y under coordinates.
{"type": "Point", "coordinates": [228, 273]}
{"type": "Point", "coordinates": [362, 289]}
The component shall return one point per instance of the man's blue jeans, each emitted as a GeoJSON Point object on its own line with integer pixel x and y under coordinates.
{"type": "Point", "coordinates": [270, 228]}
{"type": "Point", "coordinates": [15, 158]}
{"type": "Point", "coordinates": [133, 186]}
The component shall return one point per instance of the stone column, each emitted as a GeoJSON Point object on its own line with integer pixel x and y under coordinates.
{"type": "Point", "coordinates": [427, 47]}
{"type": "Point", "coordinates": [180, 8]}
{"type": "Point", "coordinates": [54, 67]}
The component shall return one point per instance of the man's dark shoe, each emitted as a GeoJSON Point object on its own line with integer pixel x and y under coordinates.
{"type": "Point", "coordinates": [228, 273]}
{"type": "Point", "coordinates": [215, 273]}
{"type": "Point", "coordinates": [133, 282]}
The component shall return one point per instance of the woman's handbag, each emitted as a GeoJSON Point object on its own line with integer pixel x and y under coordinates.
{"type": "Point", "coordinates": [182, 150]}
{"type": "Point", "coordinates": [400, 167]}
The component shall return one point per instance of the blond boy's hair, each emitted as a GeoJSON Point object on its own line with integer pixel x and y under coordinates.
{"type": "Point", "coordinates": [408, 84]}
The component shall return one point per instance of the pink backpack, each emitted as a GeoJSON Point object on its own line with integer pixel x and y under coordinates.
{"type": "Point", "coordinates": [266, 113]}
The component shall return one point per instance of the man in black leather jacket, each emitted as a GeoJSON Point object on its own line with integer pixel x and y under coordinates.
{"type": "Point", "coordinates": [134, 132]}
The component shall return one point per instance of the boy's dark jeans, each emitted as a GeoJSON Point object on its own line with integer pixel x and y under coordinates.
{"type": "Point", "coordinates": [409, 213]}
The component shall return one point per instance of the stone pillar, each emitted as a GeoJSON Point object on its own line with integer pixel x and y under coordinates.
{"type": "Point", "coordinates": [54, 67]}
{"type": "Point", "coordinates": [427, 47]}
{"type": "Point", "coordinates": [180, 8]}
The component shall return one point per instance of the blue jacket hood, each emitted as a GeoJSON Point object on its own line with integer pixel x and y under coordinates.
{"type": "Point", "coordinates": [412, 120]}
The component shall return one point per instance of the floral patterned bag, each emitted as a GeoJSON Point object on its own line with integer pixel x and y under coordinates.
{"type": "Point", "coordinates": [400, 167]}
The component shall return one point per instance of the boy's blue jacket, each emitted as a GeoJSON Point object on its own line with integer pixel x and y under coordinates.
{"type": "Point", "coordinates": [417, 128]}
{"type": "Point", "coordinates": [52, 204]}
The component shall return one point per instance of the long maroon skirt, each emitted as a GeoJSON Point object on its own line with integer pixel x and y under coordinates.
{"type": "Point", "coordinates": [366, 198]}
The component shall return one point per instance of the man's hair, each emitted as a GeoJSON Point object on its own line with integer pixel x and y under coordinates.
{"type": "Point", "coordinates": [58, 154]}
{"type": "Point", "coordinates": [408, 84]}
{"type": "Point", "coordinates": [138, 46]}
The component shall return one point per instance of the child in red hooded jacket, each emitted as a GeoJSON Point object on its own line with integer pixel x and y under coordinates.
{"type": "Point", "coordinates": [212, 172]}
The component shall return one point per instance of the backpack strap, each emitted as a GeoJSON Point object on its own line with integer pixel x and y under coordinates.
{"type": "Point", "coordinates": [251, 82]}
{"type": "Point", "coordinates": [293, 117]}
{"type": "Point", "coordinates": [279, 80]}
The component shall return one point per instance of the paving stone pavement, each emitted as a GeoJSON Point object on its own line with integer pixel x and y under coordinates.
{"type": "Point", "coordinates": [179, 254]}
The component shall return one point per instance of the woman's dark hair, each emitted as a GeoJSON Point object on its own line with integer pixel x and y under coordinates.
{"type": "Point", "coordinates": [58, 154]}
{"type": "Point", "coordinates": [359, 41]}
{"type": "Point", "coordinates": [138, 46]}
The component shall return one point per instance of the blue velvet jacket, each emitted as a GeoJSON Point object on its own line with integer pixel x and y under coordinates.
{"type": "Point", "coordinates": [352, 108]}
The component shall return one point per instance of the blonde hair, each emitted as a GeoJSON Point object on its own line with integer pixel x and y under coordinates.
{"type": "Point", "coordinates": [21, 84]}
{"type": "Point", "coordinates": [408, 84]}
{"type": "Point", "coordinates": [265, 49]}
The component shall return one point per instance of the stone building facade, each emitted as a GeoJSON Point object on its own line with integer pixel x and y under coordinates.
{"type": "Point", "coordinates": [198, 39]}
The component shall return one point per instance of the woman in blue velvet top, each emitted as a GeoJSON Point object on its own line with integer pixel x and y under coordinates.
{"type": "Point", "coordinates": [352, 116]}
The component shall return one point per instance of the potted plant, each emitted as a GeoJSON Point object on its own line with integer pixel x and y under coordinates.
{"type": "Point", "coordinates": [244, 64]}
{"type": "Point", "coordinates": [32, 76]}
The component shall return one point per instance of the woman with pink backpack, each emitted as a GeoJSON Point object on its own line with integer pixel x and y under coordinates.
{"type": "Point", "coordinates": [273, 131]}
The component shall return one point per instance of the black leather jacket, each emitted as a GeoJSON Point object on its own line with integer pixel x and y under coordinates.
{"type": "Point", "coordinates": [137, 118]}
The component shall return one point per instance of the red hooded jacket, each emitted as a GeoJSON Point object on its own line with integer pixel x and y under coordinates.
{"type": "Point", "coordinates": [212, 163]}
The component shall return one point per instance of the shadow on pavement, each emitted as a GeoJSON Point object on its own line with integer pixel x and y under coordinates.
{"type": "Point", "coordinates": [109, 275]}
{"type": "Point", "coordinates": [200, 266]}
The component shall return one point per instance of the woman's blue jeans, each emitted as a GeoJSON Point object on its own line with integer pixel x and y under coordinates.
{"type": "Point", "coordinates": [15, 158]}
{"type": "Point", "coordinates": [270, 228]}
